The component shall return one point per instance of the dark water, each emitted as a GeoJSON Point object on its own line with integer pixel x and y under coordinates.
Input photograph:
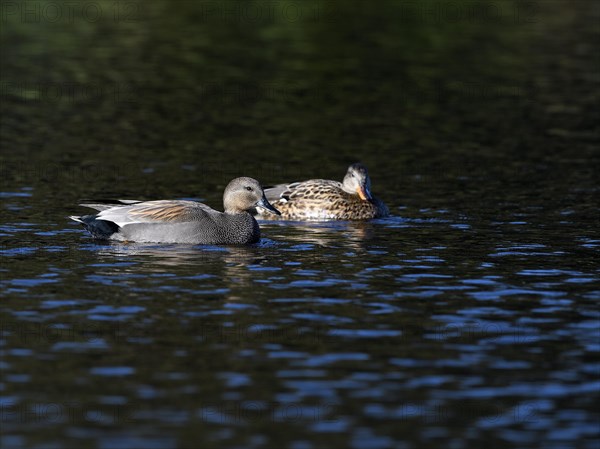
{"type": "Point", "coordinates": [469, 318]}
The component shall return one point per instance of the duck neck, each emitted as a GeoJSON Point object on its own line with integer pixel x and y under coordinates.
{"type": "Point", "coordinates": [234, 211]}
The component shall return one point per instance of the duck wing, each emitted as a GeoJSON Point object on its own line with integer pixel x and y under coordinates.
{"type": "Point", "coordinates": [160, 211]}
{"type": "Point", "coordinates": [278, 191]}
{"type": "Point", "coordinates": [100, 204]}
{"type": "Point", "coordinates": [313, 188]}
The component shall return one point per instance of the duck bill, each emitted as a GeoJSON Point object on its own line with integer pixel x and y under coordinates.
{"type": "Point", "coordinates": [263, 203]}
{"type": "Point", "coordinates": [363, 193]}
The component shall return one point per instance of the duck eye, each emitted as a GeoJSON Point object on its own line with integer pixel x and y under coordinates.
{"type": "Point", "coordinates": [249, 189]}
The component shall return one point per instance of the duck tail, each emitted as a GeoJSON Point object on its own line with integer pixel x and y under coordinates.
{"type": "Point", "coordinates": [77, 219]}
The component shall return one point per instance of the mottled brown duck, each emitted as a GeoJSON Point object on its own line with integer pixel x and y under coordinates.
{"type": "Point", "coordinates": [324, 199]}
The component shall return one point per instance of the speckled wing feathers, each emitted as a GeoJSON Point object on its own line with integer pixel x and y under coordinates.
{"type": "Point", "coordinates": [164, 210]}
{"type": "Point", "coordinates": [156, 211]}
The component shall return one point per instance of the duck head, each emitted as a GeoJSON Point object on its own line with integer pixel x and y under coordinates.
{"type": "Point", "coordinates": [357, 182]}
{"type": "Point", "coordinates": [244, 194]}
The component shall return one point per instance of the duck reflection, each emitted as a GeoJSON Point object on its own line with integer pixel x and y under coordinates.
{"type": "Point", "coordinates": [353, 234]}
{"type": "Point", "coordinates": [232, 271]}
{"type": "Point", "coordinates": [225, 268]}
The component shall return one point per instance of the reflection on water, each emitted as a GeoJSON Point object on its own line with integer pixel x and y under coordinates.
{"type": "Point", "coordinates": [467, 318]}
{"type": "Point", "coordinates": [324, 235]}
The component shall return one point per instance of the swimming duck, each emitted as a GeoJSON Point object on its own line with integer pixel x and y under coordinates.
{"type": "Point", "coordinates": [179, 221]}
{"type": "Point", "coordinates": [323, 199]}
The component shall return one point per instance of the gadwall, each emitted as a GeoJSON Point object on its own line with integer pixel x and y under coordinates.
{"type": "Point", "coordinates": [178, 221]}
{"type": "Point", "coordinates": [323, 199]}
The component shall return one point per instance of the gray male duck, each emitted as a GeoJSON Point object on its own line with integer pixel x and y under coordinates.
{"type": "Point", "coordinates": [324, 199]}
{"type": "Point", "coordinates": [179, 221]}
